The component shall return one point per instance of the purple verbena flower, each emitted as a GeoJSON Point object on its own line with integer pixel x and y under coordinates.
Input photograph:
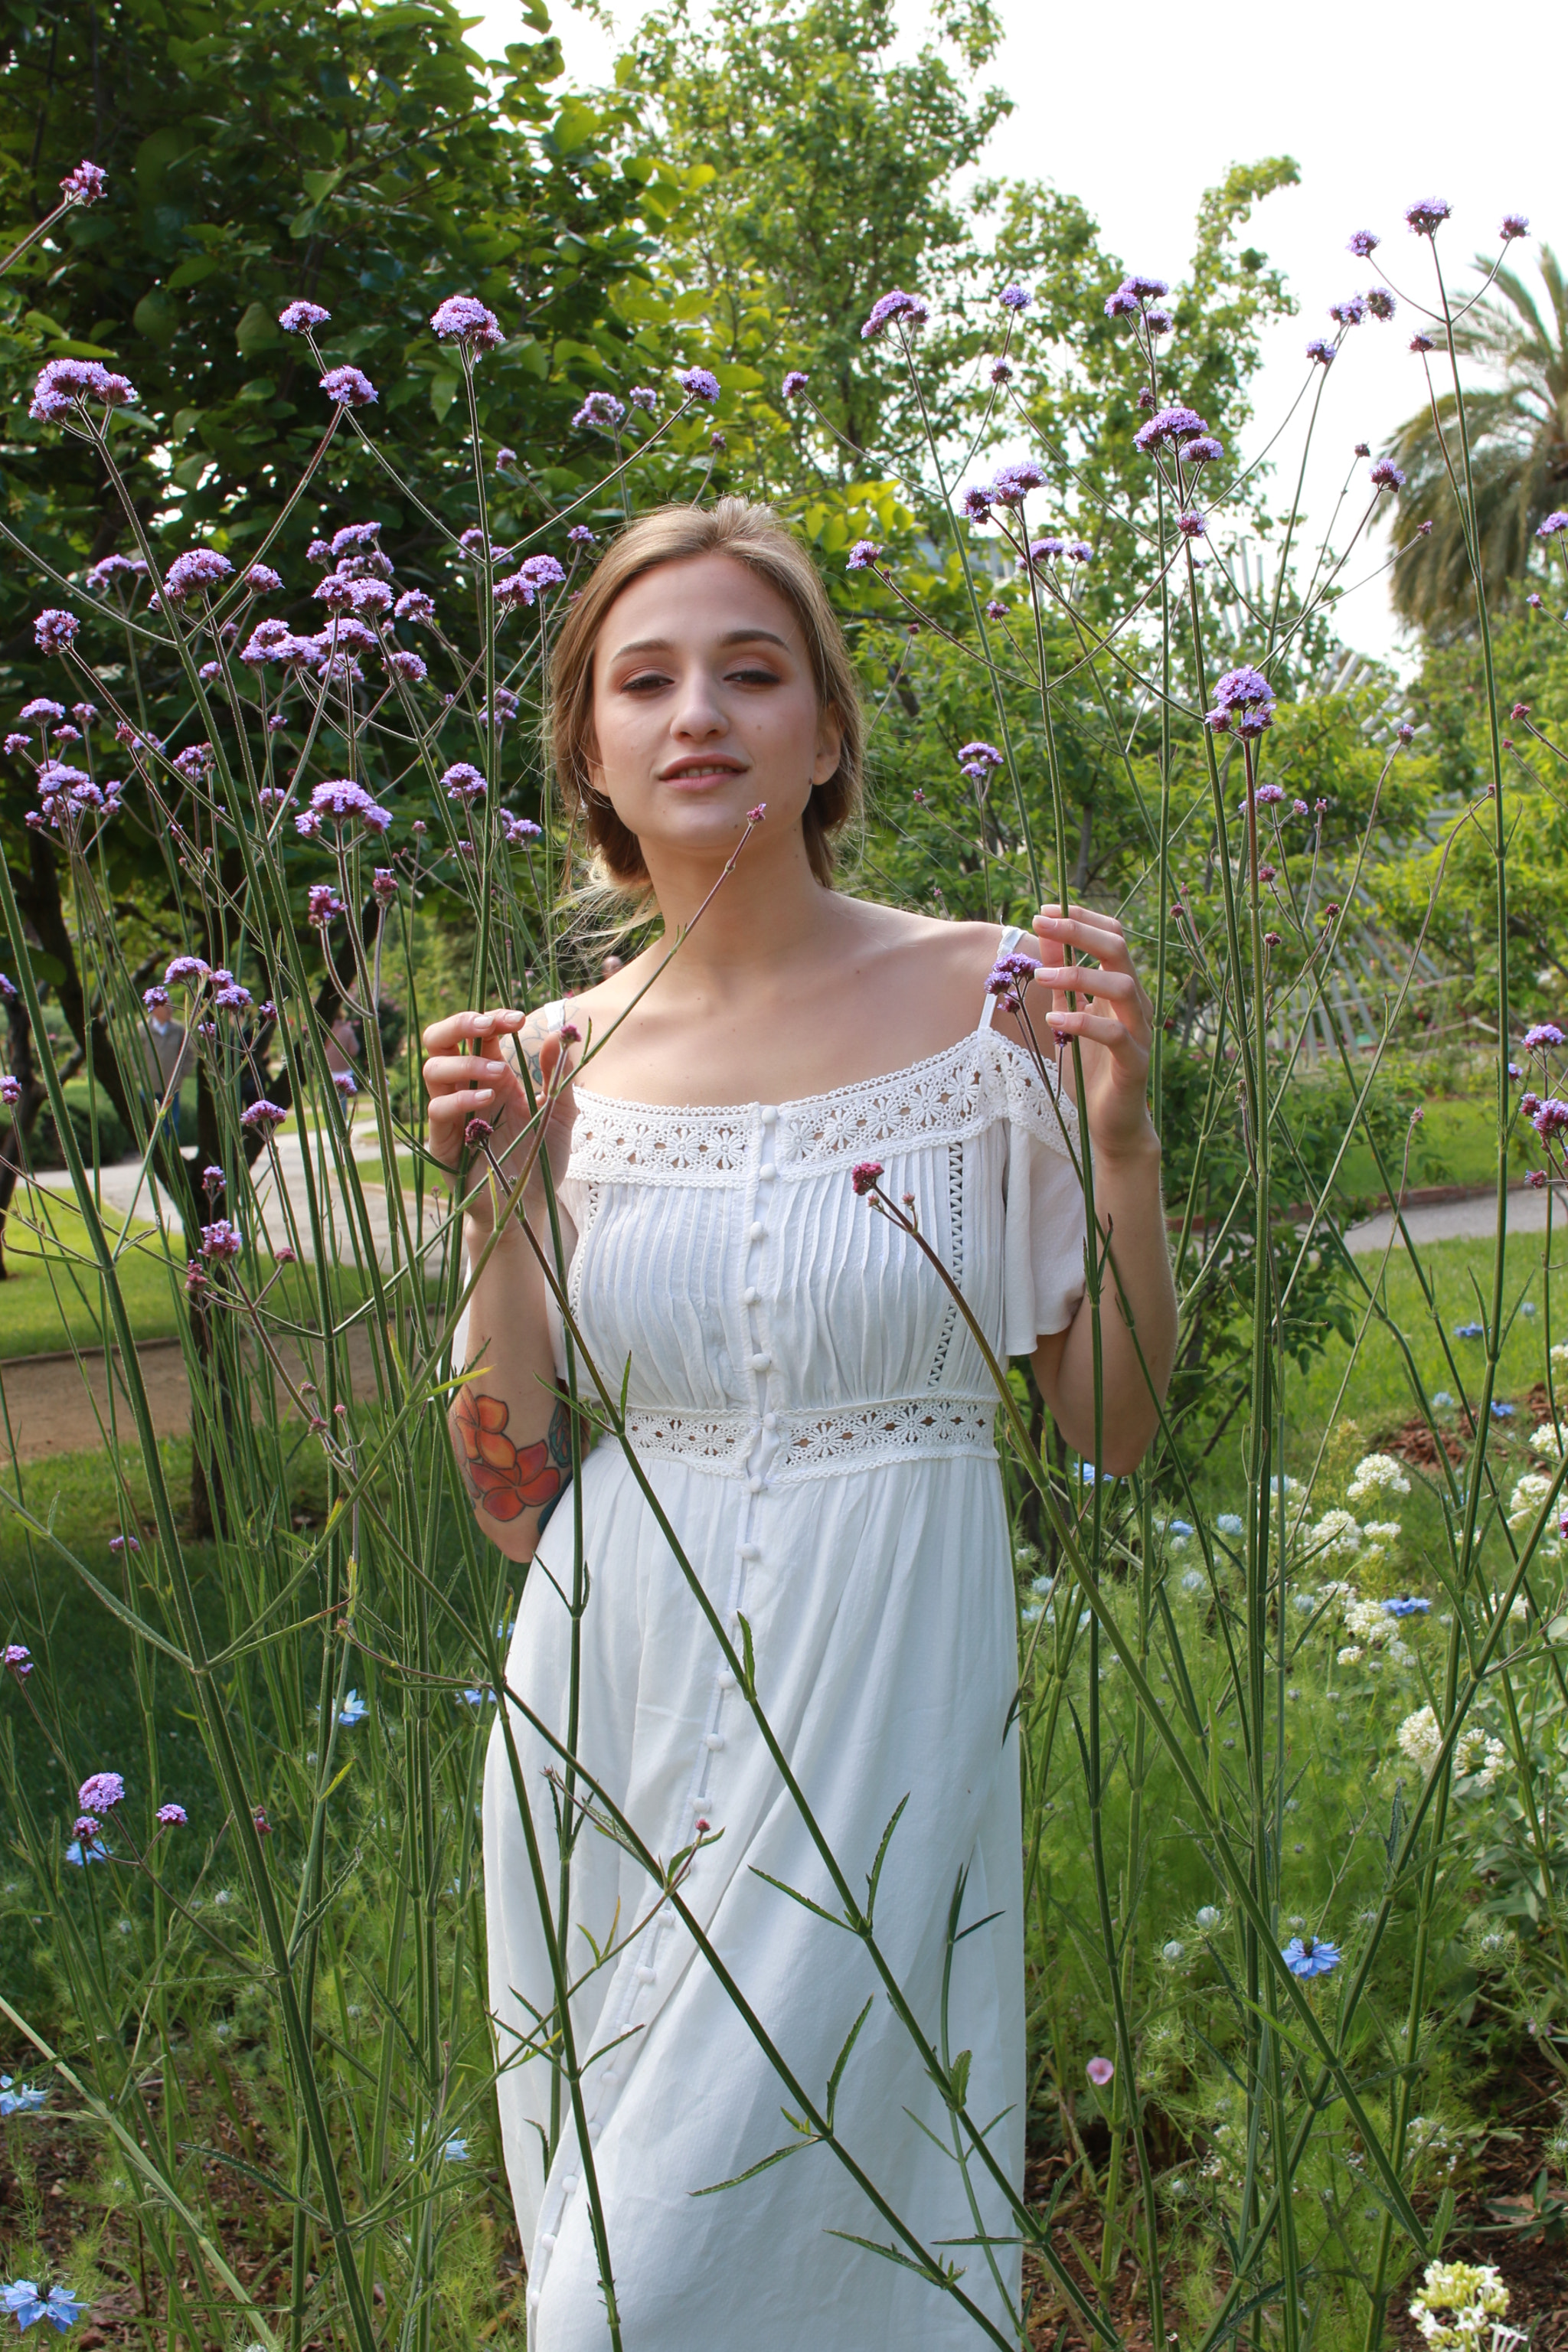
{"type": "Point", "coordinates": [53, 630]}
{"type": "Point", "coordinates": [1419, 343]}
{"type": "Point", "coordinates": [580, 536]}
{"type": "Point", "coordinates": [263, 1116]}
{"type": "Point", "coordinates": [795, 383]}
{"type": "Point", "coordinates": [520, 830]}
{"type": "Point", "coordinates": [84, 184]}
{"type": "Point", "coordinates": [1380, 302]}
{"type": "Point", "coordinates": [1363, 242]}
{"type": "Point", "coordinates": [348, 387]}
{"type": "Point", "coordinates": [64, 384]}
{"type": "Point", "coordinates": [1015, 298]}
{"type": "Point", "coordinates": [976, 502]}
{"type": "Point", "coordinates": [1013, 483]}
{"type": "Point", "coordinates": [1385, 475]}
{"type": "Point", "coordinates": [324, 906]}
{"type": "Point", "coordinates": [198, 568]}
{"type": "Point", "coordinates": [1123, 304]}
{"type": "Point", "coordinates": [1192, 525]}
{"type": "Point", "coordinates": [1321, 350]}
{"type": "Point", "coordinates": [699, 383]}
{"type": "Point", "coordinates": [187, 970]}
{"type": "Point", "coordinates": [862, 556]}
{"type": "Point", "coordinates": [463, 782]}
{"type": "Point", "coordinates": [1270, 795]}
{"type": "Point", "coordinates": [909, 307]}
{"type": "Point", "coordinates": [414, 606]}
{"type": "Point", "coordinates": [1544, 1034]}
{"type": "Point", "coordinates": [1514, 225]}
{"type": "Point", "coordinates": [295, 316]}
{"type": "Point", "coordinates": [1177, 424]}
{"type": "Point", "coordinates": [461, 319]}
{"type": "Point", "coordinates": [262, 580]}
{"type": "Point", "coordinates": [1158, 322]}
{"type": "Point", "coordinates": [221, 1239]}
{"type": "Point", "coordinates": [995, 609]}
{"type": "Point", "coordinates": [1427, 214]}
{"type": "Point", "coordinates": [171, 1817]}
{"type": "Point", "coordinates": [864, 1175]}
{"type": "Point", "coordinates": [41, 707]}
{"type": "Point", "coordinates": [411, 668]}
{"type": "Point", "coordinates": [601, 409]}
{"type": "Point", "coordinates": [1554, 523]}
{"type": "Point", "coordinates": [100, 1792]}
{"type": "Point", "coordinates": [1001, 372]}
{"type": "Point", "coordinates": [10, 1088]}
{"type": "Point", "coordinates": [1243, 697]}
{"type": "Point", "coordinates": [643, 395]}
{"type": "Point", "coordinates": [985, 753]}
{"type": "Point", "coordinates": [1080, 551]}
{"type": "Point", "coordinates": [1551, 1119]}
{"type": "Point", "coordinates": [1350, 312]}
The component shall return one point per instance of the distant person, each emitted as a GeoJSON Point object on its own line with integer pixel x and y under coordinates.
{"type": "Point", "coordinates": [611, 965]}
{"type": "Point", "coordinates": [168, 1060]}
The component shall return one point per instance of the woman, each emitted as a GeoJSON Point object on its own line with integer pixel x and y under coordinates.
{"type": "Point", "coordinates": [816, 1421]}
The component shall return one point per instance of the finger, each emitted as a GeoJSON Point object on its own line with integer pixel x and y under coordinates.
{"type": "Point", "coordinates": [462, 1070]}
{"type": "Point", "coordinates": [442, 1036]}
{"type": "Point", "coordinates": [1106, 940]}
{"type": "Point", "coordinates": [1085, 981]}
{"type": "Point", "coordinates": [1097, 1029]}
{"type": "Point", "coordinates": [1075, 914]}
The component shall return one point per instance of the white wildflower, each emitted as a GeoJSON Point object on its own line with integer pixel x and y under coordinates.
{"type": "Point", "coordinates": [1420, 1736]}
{"type": "Point", "coordinates": [1376, 1474]}
{"type": "Point", "coordinates": [1351, 1654]}
{"type": "Point", "coordinates": [1478, 1758]}
{"type": "Point", "coordinates": [1547, 1439]}
{"type": "Point", "coordinates": [1530, 1493]}
{"type": "Point", "coordinates": [1381, 1531]}
{"type": "Point", "coordinates": [1455, 2302]}
{"type": "Point", "coordinates": [1337, 1531]}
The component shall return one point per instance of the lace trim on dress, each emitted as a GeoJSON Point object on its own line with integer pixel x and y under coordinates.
{"type": "Point", "coordinates": [947, 1096]}
{"type": "Point", "coordinates": [817, 1442]}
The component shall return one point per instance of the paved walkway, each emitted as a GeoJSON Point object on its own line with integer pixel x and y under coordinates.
{"type": "Point", "coordinates": [1469, 1220]}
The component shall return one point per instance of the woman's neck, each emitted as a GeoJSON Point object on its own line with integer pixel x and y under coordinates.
{"type": "Point", "coordinates": [766, 911]}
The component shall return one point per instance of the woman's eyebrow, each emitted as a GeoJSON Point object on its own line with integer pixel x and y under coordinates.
{"type": "Point", "coordinates": [731, 637]}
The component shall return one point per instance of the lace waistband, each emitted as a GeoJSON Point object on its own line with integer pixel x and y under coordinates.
{"type": "Point", "coordinates": [814, 1442]}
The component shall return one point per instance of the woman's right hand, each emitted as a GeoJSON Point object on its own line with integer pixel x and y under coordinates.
{"type": "Point", "coordinates": [484, 1082]}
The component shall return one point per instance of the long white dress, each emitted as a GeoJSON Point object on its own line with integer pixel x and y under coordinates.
{"type": "Point", "coordinates": [818, 1426]}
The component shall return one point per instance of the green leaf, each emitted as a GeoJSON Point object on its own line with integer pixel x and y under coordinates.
{"type": "Point", "coordinates": [258, 331]}
{"type": "Point", "coordinates": [192, 272]}
{"type": "Point", "coordinates": [444, 390]}
{"type": "Point", "coordinates": [157, 316]}
{"type": "Point", "coordinates": [319, 185]}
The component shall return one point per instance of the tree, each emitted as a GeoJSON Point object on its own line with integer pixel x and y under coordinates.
{"type": "Point", "coordinates": [361, 156]}
{"type": "Point", "coordinates": [1519, 455]}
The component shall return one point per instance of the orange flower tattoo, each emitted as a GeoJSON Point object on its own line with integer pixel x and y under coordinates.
{"type": "Point", "coordinates": [504, 1479]}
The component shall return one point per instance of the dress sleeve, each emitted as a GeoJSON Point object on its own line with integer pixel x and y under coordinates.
{"type": "Point", "coordinates": [1043, 1238]}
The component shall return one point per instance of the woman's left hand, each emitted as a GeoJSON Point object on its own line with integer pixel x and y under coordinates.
{"type": "Point", "coordinates": [1113, 1021]}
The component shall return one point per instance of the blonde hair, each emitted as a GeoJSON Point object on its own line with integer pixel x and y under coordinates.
{"type": "Point", "coordinates": [755, 537]}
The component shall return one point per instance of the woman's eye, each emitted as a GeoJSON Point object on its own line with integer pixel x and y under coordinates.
{"type": "Point", "coordinates": [754, 677]}
{"type": "Point", "coordinates": [644, 682]}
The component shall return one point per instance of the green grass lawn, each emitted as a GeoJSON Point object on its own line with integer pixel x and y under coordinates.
{"type": "Point", "coordinates": [1456, 1145]}
{"type": "Point", "coordinates": [52, 1295]}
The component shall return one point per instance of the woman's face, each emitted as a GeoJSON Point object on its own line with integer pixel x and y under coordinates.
{"type": "Point", "coordinates": [704, 704]}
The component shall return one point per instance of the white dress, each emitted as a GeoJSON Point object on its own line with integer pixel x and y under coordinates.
{"type": "Point", "coordinates": [818, 1426]}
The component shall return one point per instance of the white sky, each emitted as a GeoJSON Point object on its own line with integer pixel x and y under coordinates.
{"type": "Point", "coordinates": [1378, 102]}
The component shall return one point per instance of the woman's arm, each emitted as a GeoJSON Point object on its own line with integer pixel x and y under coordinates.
{"type": "Point", "coordinates": [1115, 1030]}
{"type": "Point", "coordinates": [509, 1424]}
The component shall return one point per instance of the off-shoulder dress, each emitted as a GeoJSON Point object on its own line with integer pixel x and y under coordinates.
{"type": "Point", "coordinates": [818, 1426]}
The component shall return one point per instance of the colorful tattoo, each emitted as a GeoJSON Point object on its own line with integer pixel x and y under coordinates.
{"type": "Point", "coordinates": [504, 1479]}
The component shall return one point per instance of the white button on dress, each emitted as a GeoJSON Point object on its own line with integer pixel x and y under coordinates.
{"type": "Point", "coordinates": [872, 1569]}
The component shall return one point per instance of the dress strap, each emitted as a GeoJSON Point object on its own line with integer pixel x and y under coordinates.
{"type": "Point", "coordinates": [553, 1015]}
{"type": "Point", "coordinates": [1009, 940]}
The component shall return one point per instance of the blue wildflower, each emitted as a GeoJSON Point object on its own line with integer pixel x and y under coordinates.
{"type": "Point", "coordinates": [1305, 1956]}
{"type": "Point", "coordinates": [1469, 1330]}
{"type": "Point", "coordinates": [1502, 1412]}
{"type": "Point", "coordinates": [1229, 1523]}
{"type": "Point", "coordinates": [60, 2306]}
{"type": "Point", "coordinates": [94, 1850]}
{"type": "Point", "coordinates": [477, 1697]}
{"type": "Point", "coordinates": [353, 1710]}
{"type": "Point", "coordinates": [1443, 1401]}
{"type": "Point", "coordinates": [1408, 1606]}
{"type": "Point", "coordinates": [456, 2150]}
{"type": "Point", "coordinates": [19, 2098]}
{"type": "Point", "coordinates": [1180, 1529]}
{"type": "Point", "coordinates": [1193, 1581]}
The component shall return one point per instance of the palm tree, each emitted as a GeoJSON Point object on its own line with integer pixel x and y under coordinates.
{"type": "Point", "coordinates": [1519, 455]}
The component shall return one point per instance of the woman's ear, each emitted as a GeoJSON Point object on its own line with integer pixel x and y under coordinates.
{"type": "Point", "coordinates": [829, 745]}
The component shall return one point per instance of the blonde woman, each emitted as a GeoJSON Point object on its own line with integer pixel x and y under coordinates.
{"type": "Point", "coordinates": [817, 1422]}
